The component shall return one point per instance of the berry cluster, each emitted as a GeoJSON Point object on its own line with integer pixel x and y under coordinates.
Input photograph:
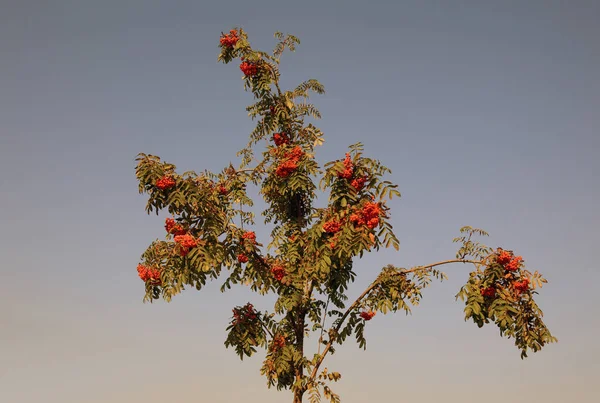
{"type": "Point", "coordinates": [348, 168]}
{"type": "Point", "coordinates": [249, 69]}
{"type": "Point", "coordinates": [368, 215]}
{"type": "Point", "coordinates": [348, 173]}
{"type": "Point", "coordinates": [510, 264]}
{"type": "Point", "coordinates": [229, 40]}
{"type": "Point", "coordinates": [332, 226]}
{"type": "Point", "coordinates": [244, 314]}
{"type": "Point", "coordinates": [166, 182]}
{"type": "Point", "coordinates": [278, 272]}
{"type": "Point", "coordinates": [489, 292]}
{"type": "Point", "coordinates": [278, 342]}
{"type": "Point", "coordinates": [358, 183]}
{"type": "Point", "coordinates": [242, 258]}
{"type": "Point", "coordinates": [290, 162]}
{"type": "Point", "coordinates": [185, 242]}
{"type": "Point", "coordinates": [521, 286]}
{"type": "Point", "coordinates": [173, 228]}
{"type": "Point", "coordinates": [249, 236]}
{"type": "Point", "coordinates": [286, 168]}
{"type": "Point", "coordinates": [280, 138]}
{"type": "Point", "coordinates": [149, 274]}
{"type": "Point", "coordinates": [367, 315]}
{"type": "Point", "coordinates": [223, 190]}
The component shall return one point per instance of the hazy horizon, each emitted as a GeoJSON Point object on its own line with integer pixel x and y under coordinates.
{"type": "Point", "coordinates": [487, 113]}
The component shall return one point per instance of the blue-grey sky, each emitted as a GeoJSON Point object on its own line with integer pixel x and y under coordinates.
{"type": "Point", "coordinates": [487, 112]}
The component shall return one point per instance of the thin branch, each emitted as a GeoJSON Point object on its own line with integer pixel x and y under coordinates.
{"type": "Point", "coordinates": [339, 325]}
{"type": "Point", "coordinates": [374, 284]}
{"type": "Point", "coordinates": [431, 266]}
{"type": "Point", "coordinates": [261, 260]}
{"type": "Point", "coordinates": [275, 80]}
{"type": "Point", "coordinates": [277, 86]}
{"type": "Point", "coordinates": [267, 329]}
{"type": "Point", "coordinates": [323, 324]}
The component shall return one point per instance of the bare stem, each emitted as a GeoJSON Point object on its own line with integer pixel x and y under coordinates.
{"type": "Point", "coordinates": [267, 329]}
{"type": "Point", "coordinates": [323, 325]}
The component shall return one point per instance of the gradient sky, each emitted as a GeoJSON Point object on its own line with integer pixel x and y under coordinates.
{"type": "Point", "coordinates": [487, 112]}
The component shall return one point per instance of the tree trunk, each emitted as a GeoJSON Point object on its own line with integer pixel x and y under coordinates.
{"type": "Point", "coordinates": [299, 370]}
{"type": "Point", "coordinates": [299, 322]}
{"type": "Point", "coordinates": [298, 396]}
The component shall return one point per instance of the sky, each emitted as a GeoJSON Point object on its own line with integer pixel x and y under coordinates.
{"type": "Point", "coordinates": [487, 113]}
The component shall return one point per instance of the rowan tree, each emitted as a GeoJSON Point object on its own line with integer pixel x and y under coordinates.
{"type": "Point", "coordinates": [309, 260]}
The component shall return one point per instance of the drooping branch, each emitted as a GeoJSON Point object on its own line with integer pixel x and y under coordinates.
{"type": "Point", "coordinates": [431, 266]}
{"type": "Point", "coordinates": [366, 292]}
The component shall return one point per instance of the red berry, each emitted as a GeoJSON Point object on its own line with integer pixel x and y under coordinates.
{"type": "Point", "coordinates": [367, 315]}
{"type": "Point", "coordinates": [166, 182]}
{"type": "Point", "coordinates": [514, 264]}
{"type": "Point", "coordinates": [358, 183]}
{"type": "Point", "coordinates": [332, 226]}
{"type": "Point", "coordinates": [489, 292]}
{"type": "Point", "coordinates": [521, 286]}
{"type": "Point", "coordinates": [278, 272]}
{"type": "Point", "coordinates": [173, 228]}
{"type": "Point", "coordinates": [250, 236]}
{"type": "Point", "coordinates": [369, 215]}
{"type": "Point", "coordinates": [290, 162]}
{"type": "Point", "coordinates": [230, 39]}
{"type": "Point", "coordinates": [185, 242]}
{"type": "Point", "coordinates": [149, 274]}
{"type": "Point", "coordinates": [348, 168]}
{"type": "Point", "coordinates": [249, 69]}
{"type": "Point", "coordinates": [278, 342]}
{"type": "Point", "coordinates": [280, 138]}
{"type": "Point", "coordinates": [503, 257]}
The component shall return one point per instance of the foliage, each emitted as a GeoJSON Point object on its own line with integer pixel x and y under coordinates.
{"type": "Point", "coordinates": [308, 262]}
